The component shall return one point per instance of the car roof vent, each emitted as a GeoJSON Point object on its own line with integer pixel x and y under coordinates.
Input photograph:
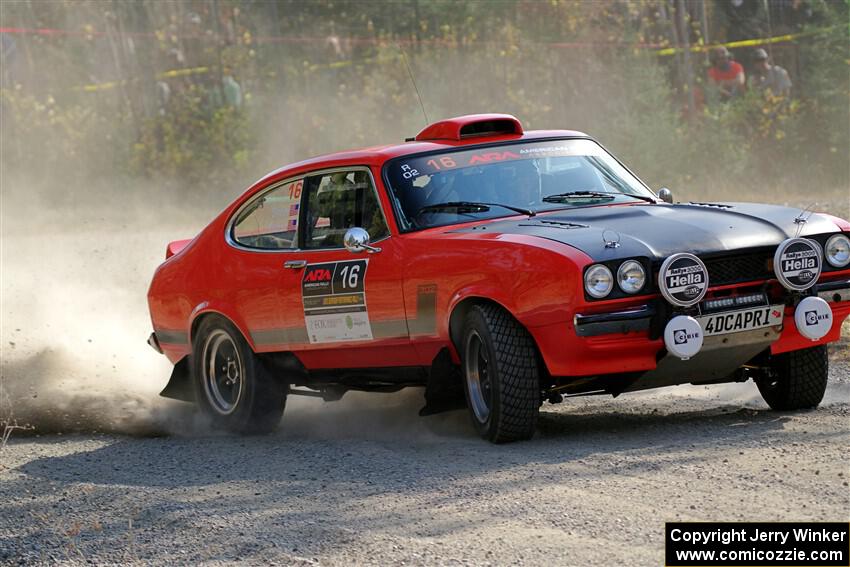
{"type": "Point", "coordinates": [471, 126]}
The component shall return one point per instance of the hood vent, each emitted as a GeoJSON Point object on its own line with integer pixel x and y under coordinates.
{"type": "Point", "coordinates": [554, 224]}
{"type": "Point", "coordinates": [713, 205]}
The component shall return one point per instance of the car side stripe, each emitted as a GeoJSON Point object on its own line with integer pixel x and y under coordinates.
{"type": "Point", "coordinates": [393, 329]}
{"type": "Point", "coordinates": [171, 336]}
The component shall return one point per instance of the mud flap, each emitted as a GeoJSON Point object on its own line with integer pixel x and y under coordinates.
{"type": "Point", "coordinates": [444, 390]}
{"type": "Point", "coordinates": [179, 386]}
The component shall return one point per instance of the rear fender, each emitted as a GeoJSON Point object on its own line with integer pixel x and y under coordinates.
{"type": "Point", "coordinates": [222, 309]}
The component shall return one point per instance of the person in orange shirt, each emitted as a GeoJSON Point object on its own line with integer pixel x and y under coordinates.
{"type": "Point", "coordinates": [725, 74]}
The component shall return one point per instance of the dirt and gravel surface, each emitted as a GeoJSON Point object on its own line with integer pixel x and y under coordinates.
{"type": "Point", "coordinates": [112, 474]}
{"type": "Point", "coordinates": [368, 483]}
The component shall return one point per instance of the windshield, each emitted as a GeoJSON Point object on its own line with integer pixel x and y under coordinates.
{"type": "Point", "coordinates": [473, 184]}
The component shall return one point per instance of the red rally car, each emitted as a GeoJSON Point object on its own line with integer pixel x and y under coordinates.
{"type": "Point", "coordinates": [499, 269]}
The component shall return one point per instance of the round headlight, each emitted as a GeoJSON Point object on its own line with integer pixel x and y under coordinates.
{"type": "Point", "coordinates": [837, 251]}
{"type": "Point", "coordinates": [598, 281]}
{"type": "Point", "coordinates": [631, 276]}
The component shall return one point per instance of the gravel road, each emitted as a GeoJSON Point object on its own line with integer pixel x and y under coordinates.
{"type": "Point", "coordinates": [364, 481]}
{"type": "Point", "coordinates": [112, 474]}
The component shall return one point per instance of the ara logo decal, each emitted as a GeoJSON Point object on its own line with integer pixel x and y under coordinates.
{"type": "Point", "coordinates": [683, 279]}
{"type": "Point", "coordinates": [318, 275]}
{"type": "Point", "coordinates": [798, 263]}
{"type": "Point", "coordinates": [492, 156]}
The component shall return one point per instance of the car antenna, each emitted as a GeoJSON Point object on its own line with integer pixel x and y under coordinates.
{"type": "Point", "coordinates": [412, 80]}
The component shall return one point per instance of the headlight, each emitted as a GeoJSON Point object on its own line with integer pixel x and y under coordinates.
{"type": "Point", "coordinates": [631, 276]}
{"type": "Point", "coordinates": [837, 251]}
{"type": "Point", "coordinates": [598, 281]}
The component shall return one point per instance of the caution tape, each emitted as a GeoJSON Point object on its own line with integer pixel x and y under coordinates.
{"type": "Point", "coordinates": [667, 51]}
{"type": "Point", "coordinates": [166, 75]}
{"type": "Point", "coordinates": [745, 42]}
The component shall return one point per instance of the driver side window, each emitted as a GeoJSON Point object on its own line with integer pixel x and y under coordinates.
{"type": "Point", "coordinates": [336, 202]}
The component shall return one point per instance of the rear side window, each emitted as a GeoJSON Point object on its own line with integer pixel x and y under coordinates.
{"type": "Point", "coordinates": [338, 201]}
{"type": "Point", "coordinates": [270, 222]}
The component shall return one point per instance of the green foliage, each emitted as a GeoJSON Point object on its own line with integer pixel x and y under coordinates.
{"type": "Point", "coordinates": [46, 138]}
{"type": "Point", "coordinates": [195, 139]}
{"type": "Point", "coordinates": [346, 85]}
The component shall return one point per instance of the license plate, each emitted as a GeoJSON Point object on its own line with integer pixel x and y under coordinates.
{"type": "Point", "coordinates": [741, 320]}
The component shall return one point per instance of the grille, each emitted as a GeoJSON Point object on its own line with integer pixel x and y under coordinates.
{"type": "Point", "coordinates": [741, 268]}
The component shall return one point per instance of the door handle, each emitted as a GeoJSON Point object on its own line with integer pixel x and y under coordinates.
{"type": "Point", "coordinates": [295, 264]}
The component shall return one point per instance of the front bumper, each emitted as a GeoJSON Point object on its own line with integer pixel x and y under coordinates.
{"type": "Point", "coordinates": [628, 339]}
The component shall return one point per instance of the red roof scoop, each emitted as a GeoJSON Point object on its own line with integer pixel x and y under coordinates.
{"type": "Point", "coordinates": [471, 126]}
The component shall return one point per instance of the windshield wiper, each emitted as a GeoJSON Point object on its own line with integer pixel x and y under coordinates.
{"type": "Point", "coordinates": [561, 197]}
{"type": "Point", "coordinates": [473, 206]}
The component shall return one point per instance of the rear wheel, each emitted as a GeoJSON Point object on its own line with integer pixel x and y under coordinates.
{"type": "Point", "coordinates": [796, 380]}
{"type": "Point", "coordinates": [231, 383]}
{"type": "Point", "coordinates": [500, 375]}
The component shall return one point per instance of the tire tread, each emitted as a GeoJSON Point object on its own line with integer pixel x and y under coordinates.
{"type": "Point", "coordinates": [799, 380]}
{"type": "Point", "coordinates": [517, 372]}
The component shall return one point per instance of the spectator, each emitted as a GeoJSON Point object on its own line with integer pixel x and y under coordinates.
{"type": "Point", "coordinates": [769, 77]}
{"type": "Point", "coordinates": [232, 90]}
{"type": "Point", "coordinates": [726, 75]}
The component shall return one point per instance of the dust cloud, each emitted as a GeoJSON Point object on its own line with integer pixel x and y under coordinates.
{"type": "Point", "coordinates": [75, 320]}
{"type": "Point", "coordinates": [74, 313]}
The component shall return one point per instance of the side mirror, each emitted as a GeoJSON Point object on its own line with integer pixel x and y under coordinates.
{"type": "Point", "coordinates": [356, 240]}
{"type": "Point", "coordinates": [665, 195]}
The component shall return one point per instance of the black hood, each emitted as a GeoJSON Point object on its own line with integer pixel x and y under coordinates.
{"type": "Point", "coordinates": [657, 231]}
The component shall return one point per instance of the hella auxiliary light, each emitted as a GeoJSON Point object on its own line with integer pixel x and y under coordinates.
{"type": "Point", "coordinates": [798, 263]}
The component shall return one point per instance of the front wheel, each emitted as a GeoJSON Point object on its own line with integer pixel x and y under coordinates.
{"type": "Point", "coordinates": [232, 385]}
{"type": "Point", "coordinates": [796, 380]}
{"type": "Point", "coordinates": [500, 374]}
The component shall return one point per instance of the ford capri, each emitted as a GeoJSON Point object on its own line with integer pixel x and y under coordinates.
{"type": "Point", "coordinates": [499, 269]}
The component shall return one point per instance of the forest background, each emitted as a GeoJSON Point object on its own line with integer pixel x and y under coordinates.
{"type": "Point", "coordinates": [193, 100]}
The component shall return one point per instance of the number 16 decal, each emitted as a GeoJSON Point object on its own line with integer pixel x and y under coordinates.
{"type": "Point", "coordinates": [349, 276]}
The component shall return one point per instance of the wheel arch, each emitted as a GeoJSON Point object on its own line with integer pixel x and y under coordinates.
{"type": "Point", "coordinates": [458, 314]}
{"type": "Point", "coordinates": [202, 314]}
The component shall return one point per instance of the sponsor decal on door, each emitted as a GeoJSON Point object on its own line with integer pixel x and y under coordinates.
{"type": "Point", "coordinates": [334, 298]}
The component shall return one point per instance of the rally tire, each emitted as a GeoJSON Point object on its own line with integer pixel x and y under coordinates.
{"type": "Point", "coordinates": [797, 379]}
{"type": "Point", "coordinates": [232, 385]}
{"type": "Point", "coordinates": [512, 396]}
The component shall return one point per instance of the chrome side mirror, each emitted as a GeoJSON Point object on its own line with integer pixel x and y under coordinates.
{"type": "Point", "coordinates": [665, 195]}
{"type": "Point", "coordinates": [356, 240]}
